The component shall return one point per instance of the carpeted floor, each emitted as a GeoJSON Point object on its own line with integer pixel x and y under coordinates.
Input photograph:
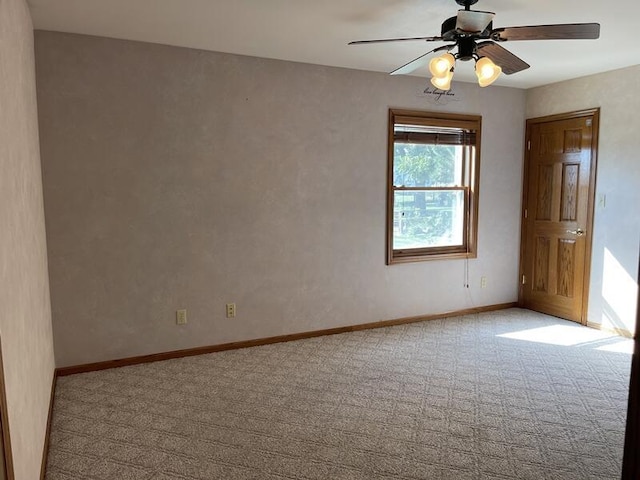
{"type": "Point", "coordinates": [503, 395]}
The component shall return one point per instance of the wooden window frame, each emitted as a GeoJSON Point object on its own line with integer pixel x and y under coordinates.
{"type": "Point", "coordinates": [471, 182]}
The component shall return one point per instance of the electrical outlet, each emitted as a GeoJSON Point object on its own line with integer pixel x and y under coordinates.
{"type": "Point", "coordinates": [231, 310]}
{"type": "Point", "coordinates": [181, 317]}
{"type": "Point", "coordinates": [483, 282]}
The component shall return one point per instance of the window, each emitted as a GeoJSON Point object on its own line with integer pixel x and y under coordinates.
{"type": "Point", "coordinates": [432, 196]}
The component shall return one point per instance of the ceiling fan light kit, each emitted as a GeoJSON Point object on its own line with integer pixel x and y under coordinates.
{"type": "Point", "coordinates": [442, 82]}
{"type": "Point", "coordinates": [442, 70]}
{"type": "Point", "coordinates": [487, 71]}
{"type": "Point", "coordinates": [466, 30]}
{"type": "Point", "coordinates": [440, 66]}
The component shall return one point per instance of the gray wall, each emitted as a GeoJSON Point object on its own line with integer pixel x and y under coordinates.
{"type": "Point", "coordinates": [178, 178]}
{"type": "Point", "coordinates": [613, 286]}
{"type": "Point", "coordinates": [25, 318]}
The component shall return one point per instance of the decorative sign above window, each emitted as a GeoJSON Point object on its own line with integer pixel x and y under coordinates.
{"type": "Point", "coordinates": [435, 96]}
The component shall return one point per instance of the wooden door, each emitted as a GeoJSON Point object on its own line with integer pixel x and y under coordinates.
{"type": "Point", "coordinates": [631, 458]}
{"type": "Point", "coordinates": [557, 213]}
{"type": "Point", "coordinates": [6, 465]}
{"type": "Point", "coordinates": [3, 466]}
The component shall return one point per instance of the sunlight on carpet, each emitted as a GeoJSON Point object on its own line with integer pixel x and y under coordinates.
{"type": "Point", "coordinates": [569, 335]}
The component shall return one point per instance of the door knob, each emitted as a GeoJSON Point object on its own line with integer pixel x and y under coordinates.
{"type": "Point", "coordinates": [579, 232]}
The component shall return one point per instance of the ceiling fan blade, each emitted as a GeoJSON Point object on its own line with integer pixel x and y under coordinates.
{"type": "Point", "coordinates": [387, 40]}
{"type": "Point", "coordinates": [562, 31]}
{"type": "Point", "coordinates": [502, 57]}
{"type": "Point", "coordinates": [421, 61]}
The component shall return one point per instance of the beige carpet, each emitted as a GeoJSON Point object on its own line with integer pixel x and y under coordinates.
{"type": "Point", "coordinates": [504, 395]}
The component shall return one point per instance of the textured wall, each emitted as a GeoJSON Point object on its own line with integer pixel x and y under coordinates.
{"type": "Point", "coordinates": [25, 321]}
{"type": "Point", "coordinates": [613, 287]}
{"type": "Point", "coordinates": [178, 178]}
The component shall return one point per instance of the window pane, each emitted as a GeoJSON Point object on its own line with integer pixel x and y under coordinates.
{"type": "Point", "coordinates": [420, 165]}
{"type": "Point", "coordinates": [428, 218]}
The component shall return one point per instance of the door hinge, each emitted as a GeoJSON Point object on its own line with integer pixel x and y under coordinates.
{"type": "Point", "coordinates": [526, 213]}
{"type": "Point", "coordinates": [524, 280]}
{"type": "Point", "coordinates": [528, 144]}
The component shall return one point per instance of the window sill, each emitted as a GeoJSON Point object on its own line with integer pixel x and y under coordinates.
{"type": "Point", "coordinates": [429, 257]}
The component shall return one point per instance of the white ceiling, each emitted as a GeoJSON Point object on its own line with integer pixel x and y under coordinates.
{"type": "Point", "coordinates": [317, 31]}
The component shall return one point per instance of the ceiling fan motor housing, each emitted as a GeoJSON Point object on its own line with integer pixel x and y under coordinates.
{"type": "Point", "coordinates": [448, 29]}
{"type": "Point", "coordinates": [466, 49]}
{"type": "Point", "coordinates": [449, 33]}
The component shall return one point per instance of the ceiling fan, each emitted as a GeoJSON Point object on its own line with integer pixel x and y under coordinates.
{"type": "Point", "coordinates": [473, 33]}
